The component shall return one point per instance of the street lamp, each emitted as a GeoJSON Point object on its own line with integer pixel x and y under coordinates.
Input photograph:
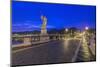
{"type": "Point", "coordinates": [66, 29]}
{"type": "Point", "coordinates": [86, 28]}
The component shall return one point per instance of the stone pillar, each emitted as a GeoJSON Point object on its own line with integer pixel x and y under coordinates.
{"type": "Point", "coordinates": [27, 40]}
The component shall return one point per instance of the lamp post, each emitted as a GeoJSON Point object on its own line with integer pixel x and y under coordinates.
{"type": "Point", "coordinates": [86, 28]}
{"type": "Point", "coordinates": [86, 34]}
{"type": "Point", "coordinates": [66, 30]}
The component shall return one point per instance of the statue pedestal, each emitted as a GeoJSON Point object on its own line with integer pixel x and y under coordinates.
{"type": "Point", "coordinates": [44, 37]}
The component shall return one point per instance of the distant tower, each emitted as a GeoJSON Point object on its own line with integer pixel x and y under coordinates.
{"type": "Point", "coordinates": [44, 23]}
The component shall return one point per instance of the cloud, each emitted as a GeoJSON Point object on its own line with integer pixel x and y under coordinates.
{"type": "Point", "coordinates": [50, 26]}
{"type": "Point", "coordinates": [39, 26]}
{"type": "Point", "coordinates": [25, 24]}
{"type": "Point", "coordinates": [28, 27]}
{"type": "Point", "coordinates": [34, 26]}
{"type": "Point", "coordinates": [16, 25]}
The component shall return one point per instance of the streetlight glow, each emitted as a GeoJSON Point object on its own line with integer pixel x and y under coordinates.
{"type": "Point", "coordinates": [66, 29]}
{"type": "Point", "coordinates": [86, 28]}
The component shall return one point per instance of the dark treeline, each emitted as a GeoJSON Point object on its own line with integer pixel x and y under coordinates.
{"type": "Point", "coordinates": [55, 31]}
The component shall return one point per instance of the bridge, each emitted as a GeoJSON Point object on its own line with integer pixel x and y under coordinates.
{"type": "Point", "coordinates": [30, 39]}
{"type": "Point", "coordinates": [59, 48]}
{"type": "Point", "coordinates": [33, 39]}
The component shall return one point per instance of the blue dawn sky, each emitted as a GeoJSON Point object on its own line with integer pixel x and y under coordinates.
{"type": "Point", "coordinates": [26, 16]}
